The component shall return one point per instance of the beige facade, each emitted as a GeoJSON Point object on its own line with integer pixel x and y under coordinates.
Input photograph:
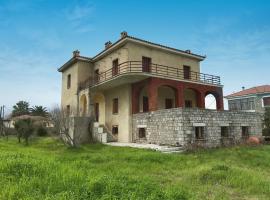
{"type": "Point", "coordinates": [99, 97]}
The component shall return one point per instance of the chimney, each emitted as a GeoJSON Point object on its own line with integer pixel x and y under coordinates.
{"type": "Point", "coordinates": [243, 88]}
{"type": "Point", "coordinates": [108, 44]}
{"type": "Point", "coordinates": [123, 34]}
{"type": "Point", "coordinates": [76, 53]}
{"type": "Point", "coordinates": [188, 51]}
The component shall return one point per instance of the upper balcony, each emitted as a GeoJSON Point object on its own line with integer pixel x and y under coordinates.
{"type": "Point", "coordinates": [139, 70]}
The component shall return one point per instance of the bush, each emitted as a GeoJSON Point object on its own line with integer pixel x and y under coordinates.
{"type": "Point", "coordinates": [266, 132]}
{"type": "Point", "coordinates": [41, 131]}
{"type": "Point", "coordinates": [24, 128]}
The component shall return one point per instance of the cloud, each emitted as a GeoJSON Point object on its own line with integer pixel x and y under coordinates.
{"type": "Point", "coordinates": [79, 16]}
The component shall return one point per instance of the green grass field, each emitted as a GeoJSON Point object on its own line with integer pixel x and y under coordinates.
{"type": "Point", "coordinates": [46, 169]}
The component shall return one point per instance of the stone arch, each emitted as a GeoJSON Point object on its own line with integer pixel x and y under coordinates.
{"type": "Point", "coordinates": [210, 102]}
{"type": "Point", "coordinates": [83, 105]}
{"type": "Point", "coordinates": [99, 108]}
{"type": "Point", "coordinates": [217, 97]}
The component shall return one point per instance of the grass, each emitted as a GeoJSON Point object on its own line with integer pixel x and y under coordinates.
{"type": "Point", "coordinates": [49, 170]}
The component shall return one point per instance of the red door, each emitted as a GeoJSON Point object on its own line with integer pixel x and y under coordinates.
{"type": "Point", "coordinates": [115, 67]}
{"type": "Point", "coordinates": [97, 111]}
{"type": "Point", "coordinates": [186, 72]}
{"type": "Point", "coordinates": [146, 64]}
{"type": "Point", "coordinates": [145, 104]}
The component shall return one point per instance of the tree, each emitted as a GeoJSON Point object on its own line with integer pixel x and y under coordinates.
{"type": "Point", "coordinates": [62, 122]}
{"type": "Point", "coordinates": [39, 111]}
{"type": "Point", "coordinates": [21, 108]}
{"type": "Point", "coordinates": [25, 129]}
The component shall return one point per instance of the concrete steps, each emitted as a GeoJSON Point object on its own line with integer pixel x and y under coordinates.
{"type": "Point", "coordinates": [168, 149]}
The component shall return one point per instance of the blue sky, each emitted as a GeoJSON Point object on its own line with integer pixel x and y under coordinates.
{"type": "Point", "coordinates": [39, 36]}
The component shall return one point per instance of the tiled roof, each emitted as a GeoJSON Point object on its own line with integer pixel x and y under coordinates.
{"type": "Point", "coordinates": [150, 43]}
{"type": "Point", "coordinates": [255, 90]}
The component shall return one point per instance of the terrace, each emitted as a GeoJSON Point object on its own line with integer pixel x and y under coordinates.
{"type": "Point", "coordinates": [140, 71]}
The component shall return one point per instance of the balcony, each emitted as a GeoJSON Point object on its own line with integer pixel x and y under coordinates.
{"type": "Point", "coordinates": [140, 70]}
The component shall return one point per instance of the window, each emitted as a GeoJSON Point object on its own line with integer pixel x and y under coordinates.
{"type": "Point", "coordinates": [96, 75]}
{"type": "Point", "coordinates": [224, 131]}
{"type": "Point", "coordinates": [68, 81]}
{"type": "Point", "coordinates": [188, 104]}
{"type": "Point", "coordinates": [115, 67]}
{"type": "Point", "coordinates": [142, 133]}
{"type": "Point", "coordinates": [186, 72]}
{"type": "Point", "coordinates": [115, 130]}
{"type": "Point", "coordinates": [266, 101]}
{"type": "Point", "coordinates": [68, 110]}
{"type": "Point", "coordinates": [115, 106]}
{"type": "Point", "coordinates": [168, 103]}
{"type": "Point", "coordinates": [145, 104]}
{"type": "Point", "coordinates": [146, 64]}
{"type": "Point", "coordinates": [245, 132]}
{"type": "Point", "coordinates": [199, 133]}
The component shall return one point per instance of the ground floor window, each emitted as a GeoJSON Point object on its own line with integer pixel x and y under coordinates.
{"type": "Point", "coordinates": [224, 131]}
{"type": "Point", "coordinates": [142, 133]}
{"type": "Point", "coordinates": [115, 130]}
{"type": "Point", "coordinates": [245, 131]}
{"type": "Point", "coordinates": [199, 133]}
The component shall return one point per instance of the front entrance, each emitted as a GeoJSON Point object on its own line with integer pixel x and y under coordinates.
{"type": "Point", "coordinates": [97, 111]}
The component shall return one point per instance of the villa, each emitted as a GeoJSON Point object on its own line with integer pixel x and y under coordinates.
{"type": "Point", "coordinates": [138, 91]}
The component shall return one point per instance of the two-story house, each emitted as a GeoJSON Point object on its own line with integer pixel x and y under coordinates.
{"type": "Point", "coordinates": [133, 76]}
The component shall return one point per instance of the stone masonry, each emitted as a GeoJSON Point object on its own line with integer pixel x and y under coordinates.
{"type": "Point", "coordinates": [177, 126]}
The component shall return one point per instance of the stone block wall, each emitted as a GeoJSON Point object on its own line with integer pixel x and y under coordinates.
{"type": "Point", "coordinates": [177, 126]}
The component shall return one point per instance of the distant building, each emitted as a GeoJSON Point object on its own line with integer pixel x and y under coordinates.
{"type": "Point", "coordinates": [253, 99]}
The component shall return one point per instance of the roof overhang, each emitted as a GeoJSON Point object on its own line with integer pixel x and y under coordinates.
{"type": "Point", "coordinates": [126, 39]}
{"type": "Point", "coordinates": [72, 61]}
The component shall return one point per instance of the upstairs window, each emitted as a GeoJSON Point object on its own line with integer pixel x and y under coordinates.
{"type": "Point", "coordinates": [187, 72]}
{"type": "Point", "coordinates": [115, 106]}
{"type": "Point", "coordinates": [97, 76]}
{"type": "Point", "coordinates": [68, 81]}
{"type": "Point", "coordinates": [115, 69]}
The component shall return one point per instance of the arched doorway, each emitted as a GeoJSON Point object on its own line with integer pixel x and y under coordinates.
{"type": "Point", "coordinates": [143, 100]}
{"type": "Point", "coordinates": [83, 105]}
{"type": "Point", "coordinates": [210, 102]}
{"type": "Point", "coordinates": [191, 98]}
{"type": "Point", "coordinates": [166, 97]}
{"type": "Point", "coordinates": [99, 108]}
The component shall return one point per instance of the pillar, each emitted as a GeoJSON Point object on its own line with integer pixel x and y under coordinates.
{"type": "Point", "coordinates": [152, 91]}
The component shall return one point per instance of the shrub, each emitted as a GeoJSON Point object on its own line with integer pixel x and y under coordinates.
{"type": "Point", "coordinates": [266, 132]}
{"type": "Point", "coordinates": [41, 131]}
{"type": "Point", "coordinates": [24, 128]}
